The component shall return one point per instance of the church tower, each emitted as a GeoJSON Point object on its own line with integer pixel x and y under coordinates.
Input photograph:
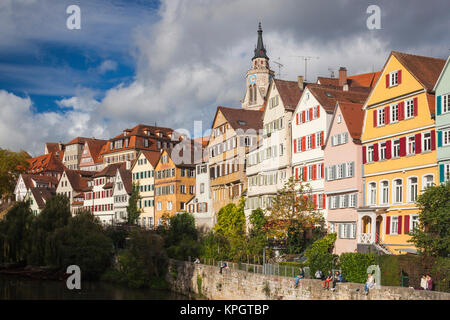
{"type": "Point", "coordinates": [258, 77]}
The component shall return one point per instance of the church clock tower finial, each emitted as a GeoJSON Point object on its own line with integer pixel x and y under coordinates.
{"type": "Point", "coordinates": [260, 51]}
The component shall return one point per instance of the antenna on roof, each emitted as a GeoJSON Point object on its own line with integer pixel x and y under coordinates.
{"type": "Point", "coordinates": [331, 72]}
{"type": "Point", "coordinates": [306, 59]}
{"type": "Point", "coordinates": [280, 65]}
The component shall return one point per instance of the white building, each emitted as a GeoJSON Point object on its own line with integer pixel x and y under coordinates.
{"type": "Point", "coordinates": [73, 184]}
{"type": "Point", "coordinates": [121, 194]}
{"type": "Point", "coordinates": [269, 166]}
{"type": "Point", "coordinates": [27, 181]}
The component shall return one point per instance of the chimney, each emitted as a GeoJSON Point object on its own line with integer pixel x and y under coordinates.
{"type": "Point", "coordinates": [300, 82]}
{"type": "Point", "coordinates": [342, 76]}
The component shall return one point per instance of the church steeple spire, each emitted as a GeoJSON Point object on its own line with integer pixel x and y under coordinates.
{"type": "Point", "coordinates": [260, 51]}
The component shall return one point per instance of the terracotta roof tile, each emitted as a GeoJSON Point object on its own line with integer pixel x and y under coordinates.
{"type": "Point", "coordinates": [44, 163]}
{"type": "Point", "coordinates": [328, 96]}
{"type": "Point", "coordinates": [78, 180]}
{"type": "Point", "coordinates": [42, 195]}
{"type": "Point", "coordinates": [290, 93]}
{"type": "Point", "coordinates": [242, 118]}
{"type": "Point", "coordinates": [109, 171]}
{"type": "Point", "coordinates": [354, 117]}
{"type": "Point", "coordinates": [126, 179]}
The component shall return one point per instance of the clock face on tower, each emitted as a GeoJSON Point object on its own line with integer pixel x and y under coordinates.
{"type": "Point", "coordinates": [252, 79]}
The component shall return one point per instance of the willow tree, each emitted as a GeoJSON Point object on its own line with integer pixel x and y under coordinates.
{"type": "Point", "coordinates": [292, 213]}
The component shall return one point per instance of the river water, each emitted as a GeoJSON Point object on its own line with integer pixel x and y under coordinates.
{"type": "Point", "coordinates": [18, 288]}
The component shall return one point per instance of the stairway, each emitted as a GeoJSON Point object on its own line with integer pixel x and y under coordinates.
{"type": "Point", "coordinates": [381, 248]}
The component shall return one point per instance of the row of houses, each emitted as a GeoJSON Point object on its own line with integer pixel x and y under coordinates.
{"type": "Point", "coordinates": [367, 145]}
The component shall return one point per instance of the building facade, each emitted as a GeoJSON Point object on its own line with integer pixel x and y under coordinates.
{"type": "Point", "coordinates": [121, 194]}
{"type": "Point", "coordinates": [399, 150]}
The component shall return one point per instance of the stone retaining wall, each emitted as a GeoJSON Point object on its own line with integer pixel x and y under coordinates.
{"type": "Point", "coordinates": [188, 278]}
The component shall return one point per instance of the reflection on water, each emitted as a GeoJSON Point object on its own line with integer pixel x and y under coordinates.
{"type": "Point", "coordinates": [15, 288]}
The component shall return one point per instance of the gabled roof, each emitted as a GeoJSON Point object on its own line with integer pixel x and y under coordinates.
{"type": "Point", "coordinates": [354, 118]}
{"type": "Point", "coordinates": [78, 140]}
{"type": "Point", "coordinates": [290, 93]}
{"type": "Point", "coordinates": [357, 80]}
{"type": "Point", "coordinates": [110, 171]}
{"type": "Point", "coordinates": [425, 69]}
{"type": "Point", "coordinates": [328, 96]}
{"type": "Point", "coordinates": [78, 182]}
{"type": "Point", "coordinates": [52, 147]}
{"type": "Point", "coordinates": [46, 162]}
{"type": "Point", "coordinates": [126, 179]}
{"type": "Point", "coordinates": [442, 73]}
{"type": "Point", "coordinates": [95, 147]}
{"type": "Point", "coordinates": [42, 195]}
{"type": "Point", "coordinates": [242, 118]}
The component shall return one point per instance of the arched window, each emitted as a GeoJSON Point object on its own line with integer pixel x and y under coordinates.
{"type": "Point", "coordinates": [398, 190]}
{"type": "Point", "coordinates": [384, 192]}
{"type": "Point", "coordinates": [372, 194]}
{"type": "Point", "coordinates": [413, 189]}
{"type": "Point", "coordinates": [428, 181]}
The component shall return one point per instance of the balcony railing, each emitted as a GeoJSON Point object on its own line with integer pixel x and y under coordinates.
{"type": "Point", "coordinates": [365, 238]}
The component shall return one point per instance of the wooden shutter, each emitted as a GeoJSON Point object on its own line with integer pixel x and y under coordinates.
{"type": "Point", "coordinates": [401, 111]}
{"type": "Point", "coordinates": [318, 111]}
{"type": "Point", "coordinates": [407, 223]}
{"type": "Point", "coordinates": [295, 145]}
{"type": "Point", "coordinates": [364, 160]}
{"type": "Point", "coordinates": [399, 76]}
{"type": "Point", "coordinates": [313, 141]}
{"type": "Point", "coordinates": [297, 118]}
{"type": "Point", "coordinates": [296, 173]}
{"type": "Point", "coordinates": [315, 200]}
{"type": "Point", "coordinates": [303, 143]}
{"type": "Point", "coordinates": [324, 201]}
{"type": "Point", "coordinates": [310, 114]}
{"type": "Point", "coordinates": [399, 224]}
{"type": "Point", "coordinates": [441, 172]}
{"type": "Point", "coordinates": [418, 143]}
{"type": "Point", "coordinates": [388, 149]}
{"type": "Point", "coordinates": [402, 146]}
{"type": "Point", "coordinates": [439, 138]}
{"type": "Point", "coordinates": [387, 80]}
{"type": "Point", "coordinates": [386, 115]}
{"type": "Point", "coordinates": [322, 140]}
{"type": "Point", "coordinates": [433, 140]}
{"type": "Point", "coordinates": [303, 116]}
{"type": "Point", "coordinates": [375, 152]}
{"type": "Point", "coordinates": [416, 106]}
{"type": "Point", "coordinates": [314, 171]}
{"type": "Point", "coordinates": [388, 225]}
{"type": "Point", "coordinates": [323, 166]}
{"type": "Point", "coordinates": [375, 118]}
{"type": "Point", "coordinates": [438, 105]}
{"type": "Point", "coordinates": [305, 173]}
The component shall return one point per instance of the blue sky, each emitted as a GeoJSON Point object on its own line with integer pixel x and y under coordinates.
{"type": "Point", "coordinates": [173, 62]}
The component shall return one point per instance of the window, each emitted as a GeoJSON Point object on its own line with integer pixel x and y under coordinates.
{"type": "Point", "coordinates": [398, 191]}
{"type": "Point", "coordinates": [426, 144]}
{"type": "Point", "coordinates": [394, 113]}
{"type": "Point", "coordinates": [308, 142]}
{"type": "Point", "coordinates": [339, 119]}
{"type": "Point", "coordinates": [428, 181]}
{"type": "Point", "coordinates": [411, 145]}
{"type": "Point", "coordinates": [158, 206]}
{"type": "Point", "coordinates": [413, 189]}
{"type": "Point", "coordinates": [414, 221]}
{"type": "Point", "coordinates": [169, 205]}
{"type": "Point", "coordinates": [381, 116]}
{"type": "Point", "coordinates": [347, 230]}
{"type": "Point", "coordinates": [383, 151]}
{"type": "Point", "coordinates": [409, 109]}
{"type": "Point", "coordinates": [384, 192]}
{"type": "Point", "coordinates": [393, 77]}
{"type": "Point", "coordinates": [372, 193]}
{"type": "Point", "coordinates": [394, 225]}
{"type": "Point", "coordinates": [352, 199]}
{"type": "Point", "coordinates": [445, 103]}
{"type": "Point", "coordinates": [446, 137]}
{"type": "Point", "coordinates": [341, 171]}
{"type": "Point", "coordinates": [191, 189]}
{"type": "Point", "coordinates": [396, 148]}
{"type": "Point", "coordinates": [370, 154]}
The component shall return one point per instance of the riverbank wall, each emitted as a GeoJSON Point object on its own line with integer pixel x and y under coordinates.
{"type": "Point", "coordinates": [207, 282]}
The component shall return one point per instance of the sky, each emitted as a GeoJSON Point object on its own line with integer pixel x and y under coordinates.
{"type": "Point", "coordinates": [172, 62]}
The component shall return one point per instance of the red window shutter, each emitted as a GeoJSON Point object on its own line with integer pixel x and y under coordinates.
{"type": "Point", "coordinates": [387, 80]}
{"type": "Point", "coordinates": [318, 111]}
{"type": "Point", "coordinates": [314, 171]}
{"type": "Point", "coordinates": [388, 225]}
{"type": "Point", "coordinates": [303, 143]}
{"type": "Point", "coordinates": [296, 173]}
{"type": "Point", "coordinates": [303, 116]}
{"type": "Point", "coordinates": [375, 118]}
{"type": "Point", "coordinates": [386, 115]}
{"type": "Point", "coordinates": [313, 141]}
{"type": "Point", "coordinates": [310, 114]}
{"type": "Point", "coordinates": [433, 140]}
{"type": "Point", "coordinates": [418, 143]}
{"type": "Point", "coordinates": [315, 200]}
{"type": "Point", "coordinates": [297, 118]}
{"type": "Point", "coordinates": [399, 76]}
{"type": "Point", "coordinates": [402, 146]}
{"type": "Point", "coordinates": [305, 173]}
{"type": "Point", "coordinates": [401, 111]}
{"type": "Point", "coordinates": [399, 224]}
{"type": "Point", "coordinates": [388, 149]}
{"type": "Point", "coordinates": [323, 171]}
{"type": "Point", "coordinates": [375, 152]}
{"type": "Point", "coordinates": [295, 145]}
{"type": "Point", "coordinates": [322, 140]}
{"type": "Point", "coordinates": [364, 160]}
{"type": "Point", "coordinates": [196, 209]}
{"type": "Point", "coordinates": [206, 206]}
{"type": "Point", "coordinates": [407, 224]}
{"type": "Point", "coordinates": [416, 106]}
{"type": "Point", "coordinates": [324, 201]}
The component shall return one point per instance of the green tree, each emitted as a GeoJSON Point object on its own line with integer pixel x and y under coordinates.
{"type": "Point", "coordinates": [231, 220]}
{"type": "Point", "coordinates": [319, 254]}
{"type": "Point", "coordinates": [12, 164]}
{"type": "Point", "coordinates": [433, 235]}
{"type": "Point", "coordinates": [133, 212]}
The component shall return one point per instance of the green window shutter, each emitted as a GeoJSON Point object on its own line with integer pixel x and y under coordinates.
{"type": "Point", "coordinates": [441, 172]}
{"type": "Point", "coordinates": [439, 138]}
{"type": "Point", "coordinates": [438, 105]}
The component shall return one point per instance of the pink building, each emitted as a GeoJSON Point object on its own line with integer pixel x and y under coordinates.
{"type": "Point", "coordinates": [343, 174]}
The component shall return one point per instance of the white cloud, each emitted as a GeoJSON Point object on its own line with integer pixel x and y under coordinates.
{"type": "Point", "coordinates": [107, 65]}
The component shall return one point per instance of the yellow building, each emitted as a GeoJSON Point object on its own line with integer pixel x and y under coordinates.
{"type": "Point", "coordinates": [399, 151]}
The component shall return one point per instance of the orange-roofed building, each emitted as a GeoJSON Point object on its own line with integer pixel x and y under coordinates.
{"type": "Point", "coordinates": [46, 165]}
{"type": "Point", "coordinates": [91, 157]}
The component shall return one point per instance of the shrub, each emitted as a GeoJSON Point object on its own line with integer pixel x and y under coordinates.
{"type": "Point", "coordinates": [354, 265]}
{"type": "Point", "coordinates": [390, 270]}
{"type": "Point", "coordinates": [320, 256]}
{"type": "Point", "coordinates": [441, 274]}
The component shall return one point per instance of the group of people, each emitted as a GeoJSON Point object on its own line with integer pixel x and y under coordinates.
{"type": "Point", "coordinates": [319, 275]}
{"type": "Point", "coordinates": [426, 282]}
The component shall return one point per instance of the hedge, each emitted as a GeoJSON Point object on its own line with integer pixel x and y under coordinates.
{"type": "Point", "coordinates": [354, 265]}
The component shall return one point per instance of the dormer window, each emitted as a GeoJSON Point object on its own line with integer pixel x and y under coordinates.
{"type": "Point", "coordinates": [394, 78]}
{"type": "Point", "coordinates": [241, 123]}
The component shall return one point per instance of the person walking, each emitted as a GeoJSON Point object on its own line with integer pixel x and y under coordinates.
{"type": "Point", "coordinates": [326, 284]}
{"type": "Point", "coordinates": [300, 275]}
